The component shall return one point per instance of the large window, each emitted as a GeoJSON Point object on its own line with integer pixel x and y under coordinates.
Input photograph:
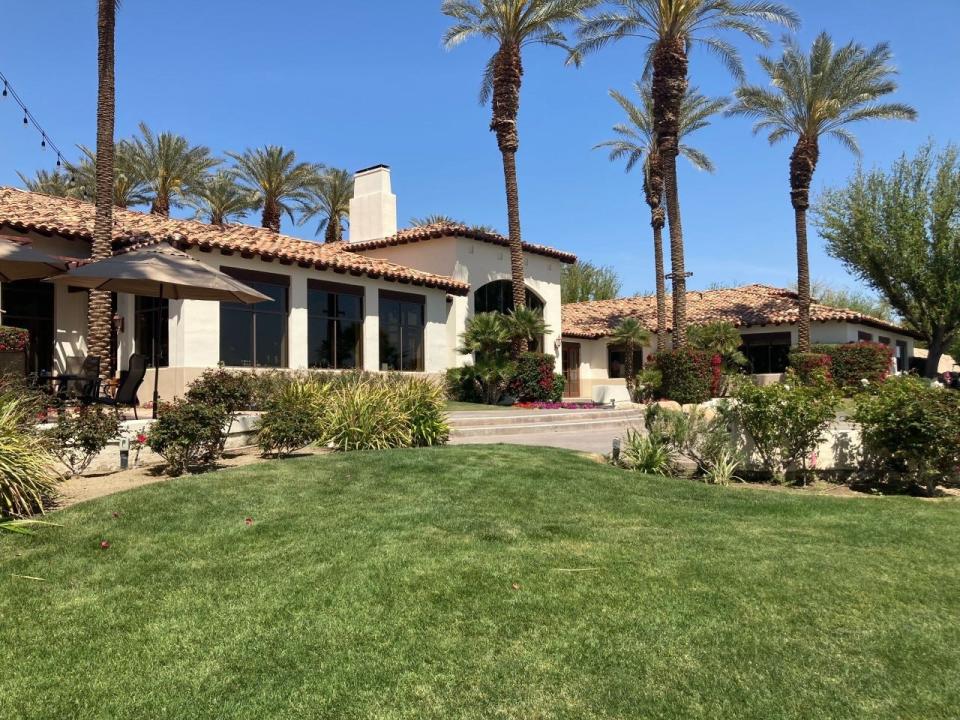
{"type": "Point", "coordinates": [256, 335]}
{"type": "Point", "coordinates": [335, 331]}
{"type": "Point", "coordinates": [497, 296]}
{"type": "Point", "coordinates": [152, 325]}
{"type": "Point", "coordinates": [767, 352]}
{"type": "Point", "coordinates": [402, 320]}
{"type": "Point", "coordinates": [617, 361]}
{"type": "Point", "coordinates": [28, 304]}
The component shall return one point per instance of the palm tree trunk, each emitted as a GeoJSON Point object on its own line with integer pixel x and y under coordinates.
{"type": "Point", "coordinates": [161, 206]}
{"type": "Point", "coordinates": [334, 231]}
{"type": "Point", "coordinates": [803, 162]}
{"type": "Point", "coordinates": [669, 87]}
{"type": "Point", "coordinates": [661, 286]}
{"type": "Point", "coordinates": [628, 367]}
{"type": "Point", "coordinates": [271, 215]}
{"type": "Point", "coordinates": [507, 78]}
{"type": "Point", "coordinates": [99, 302]}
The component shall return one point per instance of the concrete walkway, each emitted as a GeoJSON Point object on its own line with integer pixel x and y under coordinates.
{"type": "Point", "coordinates": [597, 441]}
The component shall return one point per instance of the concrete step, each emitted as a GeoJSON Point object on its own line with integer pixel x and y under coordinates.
{"type": "Point", "coordinates": [538, 418]}
{"type": "Point", "coordinates": [573, 425]}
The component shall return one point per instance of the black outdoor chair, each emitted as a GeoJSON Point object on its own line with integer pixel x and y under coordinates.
{"type": "Point", "coordinates": [129, 386]}
{"type": "Point", "coordinates": [83, 386]}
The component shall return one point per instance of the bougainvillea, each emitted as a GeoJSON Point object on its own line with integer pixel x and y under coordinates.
{"type": "Point", "coordinates": [13, 339]}
{"type": "Point", "coordinates": [535, 379]}
{"type": "Point", "coordinates": [852, 363]}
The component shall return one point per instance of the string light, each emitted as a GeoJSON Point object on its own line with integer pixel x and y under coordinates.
{"type": "Point", "coordinates": [30, 119]}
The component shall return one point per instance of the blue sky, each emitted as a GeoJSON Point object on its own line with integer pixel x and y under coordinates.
{"type": "Point", "coordinates": [359, 83]}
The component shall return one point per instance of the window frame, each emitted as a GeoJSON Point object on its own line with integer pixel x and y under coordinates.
{"type": "Point", "coordinates": [404, 299]}
{"type": "Point", "coordinates": [159, 313]}
{"type": "Point", "coordinates": [337, 289]}
{"type": "Point", "coordinates": [637, 366]}
{"type": "Point", "coordinates": [767, 340]}
{"type": "Point", "coordinates": [247, 276]}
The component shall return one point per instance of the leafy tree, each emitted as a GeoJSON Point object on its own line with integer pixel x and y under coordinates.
{"type": "Point", "coordinates": [637, 143]}
{"type": "Point", "coordinates": [54, 183]}
{"type": "Point", "coordinates": [672, 27]}
{"type": "Point", "coordinates": [221, 199]}
{"type": "Point", "coordinates": [172, 168]}
{"type": "Point", "coordinates": [280, 185]}
{"type": "Point", "coordinates": [631, 335]}
{"type": "Point", "coordinates": [899, 232]}
{"type": "Point", "coordinates": [585, 281]}
{"type": "Point", "coordinates": [811, 96]}
{"type": "Point", "coordinates": [332, 203]}
{"type": "Point", "coordinates": [512, 25]}
{"type": "Point", "coordinates": [129, 187]}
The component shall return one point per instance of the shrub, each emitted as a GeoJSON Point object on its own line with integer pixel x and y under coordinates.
{"type": "Point", "coordinates": [27, 479]}
{"type": "Point", "coordinates": [646, 387]}
{"type": "Point", "coordinates": [362, 413]}
{"type": "Point", "coordinates": [487, 379]}
{"type": "Point", "coordinates": [786, 421]}
{"type": "Point", "coordinates": [913, 429]}
{"type": "Point", "coordinates": [685, 375]}
{"type": "Point", "coordinates": [292, 417]}
{"type": "Point", "coordinates": [13, 339]}
{"type": "Point", "coordinates": [187, 434]}
{"type": "Point", "coordinates": [234, 391]}
{"type": "Point", "coordinates": [852, 363]}
{"type": "Point", "coordinates": [695, 435]}
{"type": "Point", "coordinates": [76, 438]}
{"type": "Point", "coordinates": [534, 379]}
{"type": "Point", "coordinates": [422, 402]}
{"type": "Point", "coordinates": [811, 366]}
{"type": "Point", "coordinates": [645, 453]}
{"type": "Point", "coordinates": [461, 385]}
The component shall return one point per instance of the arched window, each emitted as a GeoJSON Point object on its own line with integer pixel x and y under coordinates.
{"type": "Point", "coordinates": [497, 296]}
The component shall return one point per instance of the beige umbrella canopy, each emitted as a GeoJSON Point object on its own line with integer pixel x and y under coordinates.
{"type": "Point", "coordinates": [21, 262]}
{"type": "Point", "coordinates": [160, 271]}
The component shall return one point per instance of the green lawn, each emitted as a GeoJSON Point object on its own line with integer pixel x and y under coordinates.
{"type": "Point", "coordinates": [480, 582]}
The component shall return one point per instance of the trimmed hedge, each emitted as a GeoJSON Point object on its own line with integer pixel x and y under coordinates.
{"type": "Point", "coordinates": [685, 375]}
{"type": "Point", "coordinates": [854, 362]}
{"type": "Point", "coordinates": [535, 380]}
{"type": "Point", "coordinates": [809, 365]}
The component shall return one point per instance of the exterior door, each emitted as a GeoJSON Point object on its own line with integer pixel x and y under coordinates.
{"type": "Point", "coordinates": [29, 304]}
{"type": "Point", "coordinates": [571, 369]}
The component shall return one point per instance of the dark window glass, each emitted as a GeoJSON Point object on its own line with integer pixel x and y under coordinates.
{"type": "Point", "coordinates": [255, 335]}
{"type": "Point", "coordinates": [402, 323]}
{"type": "Point", "coordinates": [148, 313]}
{"type": "Point", "coordinates": [28, 304]}
{"type": "Point", "coordinates": [767, 352]}
{"type": "Point", "coordinates": [864, 336]}
{"type": "Point", "coordinates": [335, 326]}
{"type": "Point", "coordinates": [497, 296]}
{"type": "Point", "coordinates": [617, 361]}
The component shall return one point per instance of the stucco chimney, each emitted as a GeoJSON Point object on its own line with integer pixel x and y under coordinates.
{"type": "Point", "coordinates": [373, 209]}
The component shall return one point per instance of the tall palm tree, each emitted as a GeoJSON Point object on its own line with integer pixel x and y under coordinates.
{"type": "Point", "coordinates": [221, 199]}
{"type": "Point", "coordinates": [173, 169]}
{"type": "Point", "coordinates": [673, 27]}
{"type": "Point", "coordinates": [129, 187]}
{"type": "Point", "coordinates": [811, 96]}
{"type": "Point", "coordinates": [637, 143]}
{"type": "Point", "coordinates": [512, 25]}
{"type": "Point", "coordinates": [54, 183]}
{"type": "Point", "coordinates": [332, 203]}
{"type": "Point", "coordinates": [630, 335]}
{"type": "Point", "coordinates": [99, 304]}
{"type": "Point", "coordinates": [279, 183]}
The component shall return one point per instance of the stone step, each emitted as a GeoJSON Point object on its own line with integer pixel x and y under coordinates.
{"type": "Point", "coordinates": [567, 426]}
{"type": "Point", "coordinates": [537, 418]}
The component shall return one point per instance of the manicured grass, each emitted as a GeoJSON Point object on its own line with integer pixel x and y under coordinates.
{"type": "Point", "coordinates": [457, 406]}
{"type": "Point", "coordinates": [480, 582]}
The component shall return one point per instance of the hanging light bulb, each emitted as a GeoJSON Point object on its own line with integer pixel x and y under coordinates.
{"type": "Point", "coordinates": [43, 142]}
{"type": "Point", "coordinates": [25, 117]}
{"type": "Point", "coordinates": [58, 161]}
{"type": "Point", "coordinates": [4, 88]}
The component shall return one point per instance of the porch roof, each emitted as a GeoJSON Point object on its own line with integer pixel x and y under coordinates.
{"type": "Point", "coordinates": [23, 212]}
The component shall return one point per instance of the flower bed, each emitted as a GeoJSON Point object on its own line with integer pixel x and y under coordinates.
{"type": "Point", "coordinates": [558, 405]}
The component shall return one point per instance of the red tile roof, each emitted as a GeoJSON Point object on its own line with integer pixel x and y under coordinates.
{"type": "Point", "coordinates": [32, 212]}
{"type": "Point", "coordinates": [747, 306]}
{"type": "Point", "coordinates": [441, 230]}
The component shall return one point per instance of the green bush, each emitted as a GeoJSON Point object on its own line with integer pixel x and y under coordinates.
{"type": "Point", "coordinates": [187, 434]}
{"type": "Point", "coordinates": [77, 437]}
{"type": "Point", "coordinates": [534, 379]}
{"type": "Point", "coordinates": [811, 366]}
{"type": "Point", "coordinates": [913, 429]}
{"type": "Point", "coordinates": [292, 418]}
{"type": "Point", "coordinates": [422, 403]}
{"type": "Point", "coordinates": [853, 363]}
{"type": "Point", "coordinates": [27, 480]}
{"type": "Point", "coordinates": [685, 375]}
{"type": "Point", "coordinates": [645, 453]}
{"type": "Point", "coordinates": [234, 391]}
{"type": "Point", "coordinates": [697, 436]}
{"type": "Point", "coordinates": [786, 421]}
{"type": "Point", "coordinates": [646, 386]}
{"type": "Point", "coordinates": [461, 385]}
{"type": "Point", "coordinates": [362, 413]}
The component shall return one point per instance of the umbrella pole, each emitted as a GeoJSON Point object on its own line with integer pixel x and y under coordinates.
{"type": "Point", "coordinates": [156, 370]}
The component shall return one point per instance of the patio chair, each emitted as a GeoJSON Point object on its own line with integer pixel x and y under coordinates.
{"type": "Point", "coordinates": [84, 386]}
{"type": "Point", "coordinates": [129, 386]}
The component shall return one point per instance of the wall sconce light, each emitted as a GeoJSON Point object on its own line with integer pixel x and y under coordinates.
{"type": "Point", "coordinates": [118, 323]}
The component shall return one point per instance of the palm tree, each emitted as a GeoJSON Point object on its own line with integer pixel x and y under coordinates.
{"type": "Point", "coordinates": [221, 199]}
{"type": "Point", "coordinates": [332, 203]}
{"type": "Point", "coordinates": [719, 339]}
{"type": "Point", "coordinates": [637, 142]}
{"type": "Point", "coordinates": [672, 27]}
{"type": "Point", "coordinates": [485, 335]}
{"type": "Point", "coordinates": [54, 183]}
{"type": "Point", "coordinates": [812, 96]}
{"type": "Point", "coordinates": [99, 302]}
{"type": "Point", "coordinates": [172, 168]}
{"type": "Point", "coordinates": [435, 219]}
{"type": "Point", "coordinates": [129, 187]}
{"type": "Point", "coordinates": [512, 25]}
{"type": "Point", "coordinates": [279, 183]}
{"type": "Point", "coordinates": [630, 335]}
{"type": "Point", "coordinates": [524, 325]}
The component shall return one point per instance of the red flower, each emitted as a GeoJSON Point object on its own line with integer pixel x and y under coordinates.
{"type": "Point", "coordinates": [142, 439]}
{"type": "Point", "coordinates": [104, 545]}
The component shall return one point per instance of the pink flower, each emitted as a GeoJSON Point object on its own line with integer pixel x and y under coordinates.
{"type": "Point", "coordinates": [104, 545]}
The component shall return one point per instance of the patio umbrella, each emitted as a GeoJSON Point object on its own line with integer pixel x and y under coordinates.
{"type": "Point", "coordinates": [159, 271]}
{"type": "Point", "coordinates": [19, 261]}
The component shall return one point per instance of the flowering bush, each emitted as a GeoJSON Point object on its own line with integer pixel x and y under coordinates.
{"type": "Point", "coordinates": [685, 374]}
{"type": "Point", "coordinates": [534, 379]}
{"type": "Point", "coordinates": [187, 434]}
{"type": "Point", "coordinates": [76, 438]}
{"type": "Point", "coordinates": [13, 339]}
{"type": "Point", "coordinates": [853, 362]}
{"type": "Point", "coordinates": [811, 365]}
